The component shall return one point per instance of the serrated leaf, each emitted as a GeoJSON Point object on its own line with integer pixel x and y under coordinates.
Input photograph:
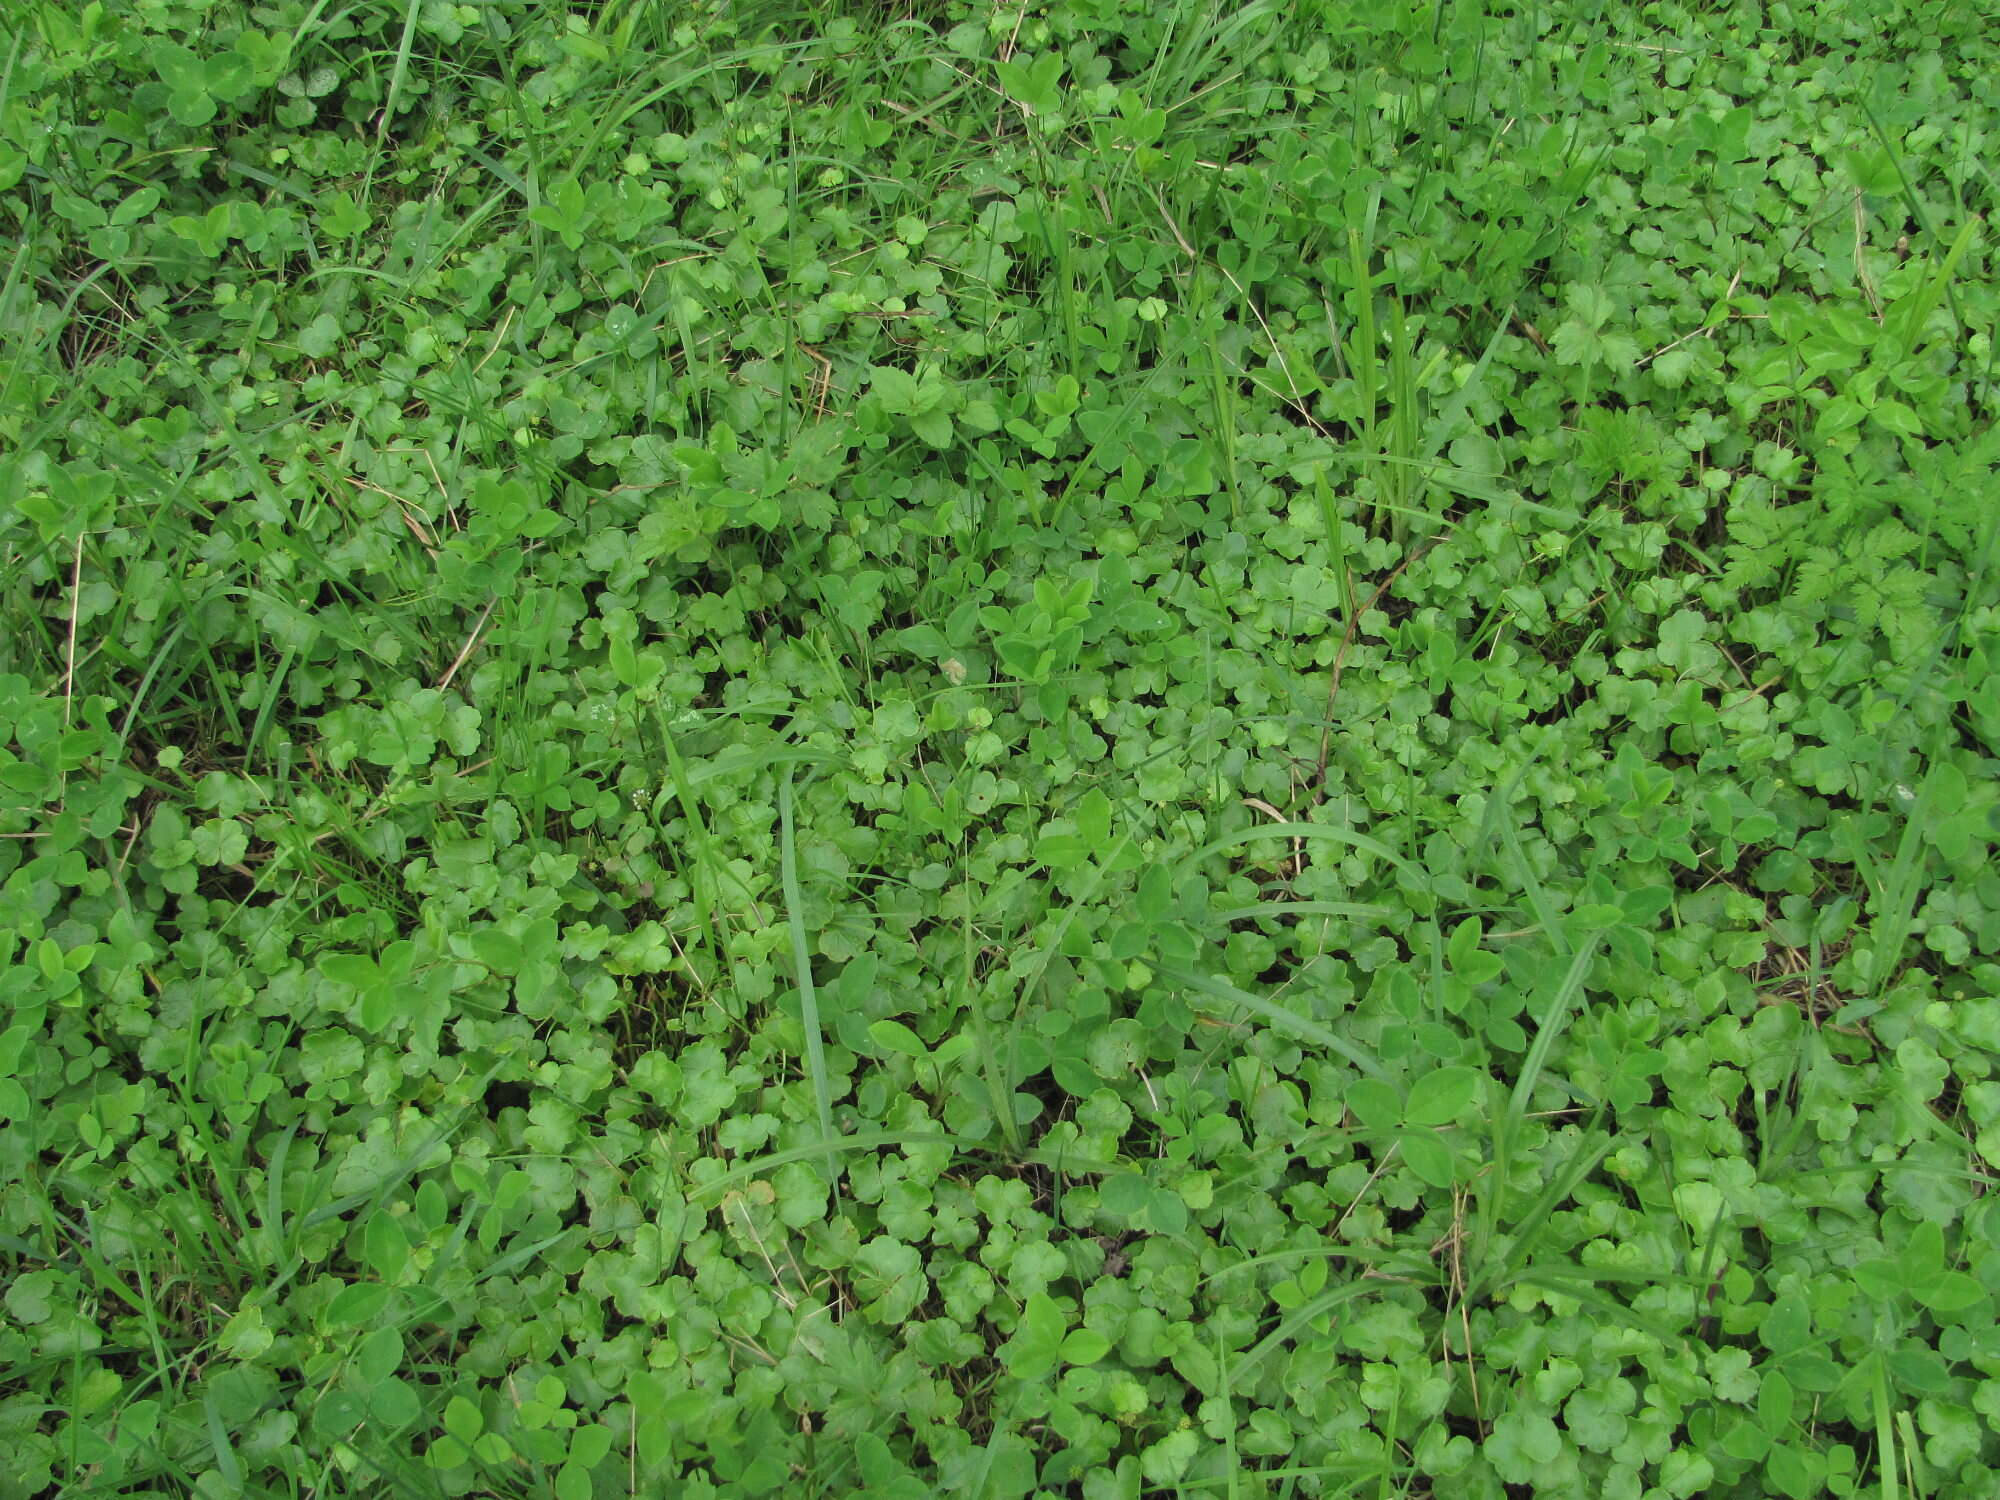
{"type": "Point", "coordinates": [934, 427]}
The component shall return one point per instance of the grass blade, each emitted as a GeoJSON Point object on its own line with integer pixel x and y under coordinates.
{"type": "Point", "coordinates": [1360, 841]}
{"type": "Point", "coordinates": [1276, 1015]}
{"type": "Point", "coordinates": [1303, 1315]}
{"type": "Point", "coordinates": [704, 877]}
{"type": "Point", "coordinates": [873, 1140]}
{"type": "Point", "coordinates": [1505, 1129]}
{"type": "Point", "coordinates": [822, 1087]}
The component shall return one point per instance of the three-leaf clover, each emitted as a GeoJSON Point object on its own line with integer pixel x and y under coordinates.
{"type": "Point", "coordinates": [1436, 1100]}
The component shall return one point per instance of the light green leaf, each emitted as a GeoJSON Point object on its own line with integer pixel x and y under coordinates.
{"type": "Point", "coordinates": [1441, 1096]}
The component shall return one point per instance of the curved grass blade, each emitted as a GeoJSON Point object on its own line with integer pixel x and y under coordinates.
{"type": "Point", "coordinates": [1360, 841]}
{"type": "Point", "coordinates": [1276, 1015]}
{"type": "Point", "coordinates": [822, 1087]}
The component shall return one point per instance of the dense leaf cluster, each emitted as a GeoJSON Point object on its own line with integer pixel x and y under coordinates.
{"type": "Point", "coordinates": [1080, 748]}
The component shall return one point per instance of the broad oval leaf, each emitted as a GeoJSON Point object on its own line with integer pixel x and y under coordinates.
{"type": "Point", "coordinates": [894, 1036]}
{"type": "Point", "coordinates": [1441, 1096]}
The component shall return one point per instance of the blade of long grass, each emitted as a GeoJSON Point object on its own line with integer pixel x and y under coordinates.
{"type": "Point", "coordinates": [1554, 1020]}
{"type": "Point", "coordinates": [1916, 1471]}
{"type": "Point", "coordinates": [1300, 1317]}
{"type": "Point", "coordinates": [1353, 911]}
{"type": "Point", "coordinates": [1362, 367]}
{"type": "Point", "coordinates": [1364, 1468]}
{"type": "Point", "coordinates": [1336, 543]}
{"type": "Point", "coordinates": [992, 1060]}
{"type": "Point", "coordinates": [1581, 1164]}
{"type": "Point", "coordinates": [703, 881]}
{"type": "Point", "coordinates": [1376, 1256]}
{"type": "Point", "coordinates": [397, 73]}
{"type": "Point", "coordinates": [822, 1087]}
{"type": "Point", "coordinates": [1893, 890]}
{"type": "Point", "coordinates": [1406, 478]}
{"type": "Point", "coordinates": [1562, 1280]}
{"type": "Point", "coordinates": [1276, 1015]}
{"type": "Point", "coordinates": [1933, 291]}
{"type": "Point", "coordinates": [871, 1140]}
{"type": "Point", "coordinates": [1885, 1431]}
{"type": "Point", "coordinates": [1915, 203]}
{"type": "Point", "coordinates": [1538, 895]}
{"type": "Point", "coordinates": [1360, 841]}
{"type": "Point", "coordinates": [413, 1163]}
{"type": "Point", "coordinates": [1223, 399]}
{"type": "Point", "coordinates": [1222, 1381]}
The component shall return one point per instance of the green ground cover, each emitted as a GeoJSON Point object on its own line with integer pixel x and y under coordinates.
{"type": "Point", "coordinates": [1132, 747]}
